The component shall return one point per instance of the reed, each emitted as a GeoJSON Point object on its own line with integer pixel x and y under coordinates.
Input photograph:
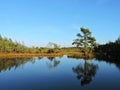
{"type": "Point", "coordinates": [18, 55]}
{"type": "Point", "coordinates": [25, 55]}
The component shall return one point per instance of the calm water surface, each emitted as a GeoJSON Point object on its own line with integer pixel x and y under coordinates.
{"type": "Point", "coordinates": [59, 73]}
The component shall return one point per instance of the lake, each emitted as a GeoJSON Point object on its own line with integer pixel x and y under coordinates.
{"type": "Point", "coordinates": [58, 73]}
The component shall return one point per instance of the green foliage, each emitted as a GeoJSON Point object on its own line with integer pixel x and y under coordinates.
{"type": "Point", "coordinates": [85, 40]}
{"type": "Point", "coordinates": [111, 50]}
{"type": "Point", "coordinates": [8, 46]}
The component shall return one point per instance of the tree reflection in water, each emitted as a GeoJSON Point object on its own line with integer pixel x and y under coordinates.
{"type": "Point", "coordinates": [53, 62]}
{"type": "Point", "coordinates": [85, 72]}
{"type": "Point", "coordinates": [9, 63]}
{"type": "Point", "coordinates": [111, 59]}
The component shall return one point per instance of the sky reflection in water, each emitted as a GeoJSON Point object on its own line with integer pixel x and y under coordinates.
{"type": "Point", "coordinates": [60, 73]}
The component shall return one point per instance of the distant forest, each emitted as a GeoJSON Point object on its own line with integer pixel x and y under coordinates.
{"type": "Point", "coordinates": [9, 46]}
{"type": "Point", "coordinates": [108, 50]}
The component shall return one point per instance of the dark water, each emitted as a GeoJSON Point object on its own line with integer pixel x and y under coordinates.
{"type": "Point", "coordinates": [60, 73]}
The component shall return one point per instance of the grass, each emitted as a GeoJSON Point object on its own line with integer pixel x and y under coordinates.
{"type": "Point", "coordinates": [19, 55]}
{"type": "Point", "coordinates": [69, 54]}
{"type": "Point", "coordinates": [80, 55]}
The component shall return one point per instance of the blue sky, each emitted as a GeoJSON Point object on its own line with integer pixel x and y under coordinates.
{"type": "Point", "coordinates": [37, 22]}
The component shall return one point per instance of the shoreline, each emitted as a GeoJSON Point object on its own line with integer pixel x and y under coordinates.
{"type": "Point", "coordinates": [27, 55]}
{"type": "Point", "coordinates": [20, 55]}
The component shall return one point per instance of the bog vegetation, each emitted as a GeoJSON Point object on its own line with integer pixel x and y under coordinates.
{"type": "Point", "coordinates": [85, 46]}
{"type": "Point", "coordinates": [9, 46]}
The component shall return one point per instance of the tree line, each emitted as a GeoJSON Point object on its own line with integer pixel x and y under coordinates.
{"type": "Point", "coordinates": [9, 46]}
{"type": "Point", "coordinates": [87, 44]}
{"type": "Point", "coordinates": [110, 50]}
